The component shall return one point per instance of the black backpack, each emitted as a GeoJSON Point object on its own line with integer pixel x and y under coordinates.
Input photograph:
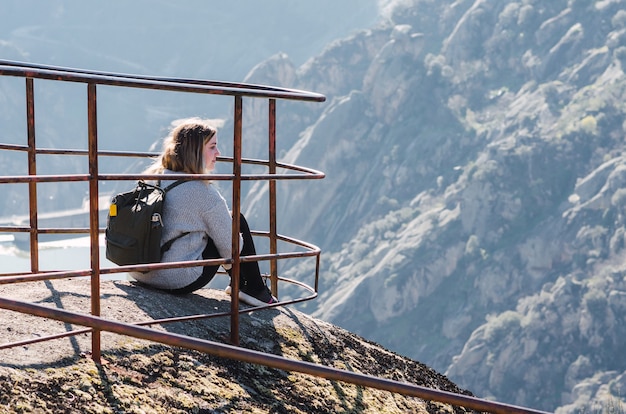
{"type": "Point", "coordinates": [135, 224]}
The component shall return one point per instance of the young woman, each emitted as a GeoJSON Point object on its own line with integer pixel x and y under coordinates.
{"type": "Point", "coordinates": [197, 218]}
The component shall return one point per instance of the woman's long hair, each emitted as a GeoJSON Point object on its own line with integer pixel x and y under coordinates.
{"type": "Point", "coordinates": [183, 148]}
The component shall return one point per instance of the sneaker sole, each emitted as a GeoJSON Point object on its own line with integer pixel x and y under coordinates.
{"type": "Point", "coordinates": [247, 299]}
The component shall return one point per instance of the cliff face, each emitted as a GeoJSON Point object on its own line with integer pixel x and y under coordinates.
{"type": "Point", "coordinates": [472, 214]}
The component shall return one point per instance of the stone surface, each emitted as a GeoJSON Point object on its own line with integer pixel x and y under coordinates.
{"type": "Point", "coordinates": [139, 376]}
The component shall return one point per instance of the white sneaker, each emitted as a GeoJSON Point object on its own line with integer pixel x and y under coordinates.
{"type": "Point", "coordinates": [263, 298]}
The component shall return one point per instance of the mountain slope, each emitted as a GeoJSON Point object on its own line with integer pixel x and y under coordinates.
{"type": "Point", "coordinates": [472, 214]}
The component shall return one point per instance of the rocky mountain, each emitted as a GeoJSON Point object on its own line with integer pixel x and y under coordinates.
{"type": "Point", "coordinates": [473, 211]}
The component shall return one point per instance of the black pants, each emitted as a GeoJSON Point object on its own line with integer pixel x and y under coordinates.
{"type": "Point", "coordinates": [250, 280]}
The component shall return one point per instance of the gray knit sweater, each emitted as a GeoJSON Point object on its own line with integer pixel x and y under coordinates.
{"type": "Point", "coordinates": [197, 208]}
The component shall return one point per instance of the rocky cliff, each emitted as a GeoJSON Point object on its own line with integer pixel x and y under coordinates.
{"type": "Point", "coordinates": [473, 211]}
{"type": "Point", "coordinates": [137, 376]}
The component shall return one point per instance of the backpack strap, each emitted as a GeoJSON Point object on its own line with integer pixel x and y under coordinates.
{"type": "Point", "coordinates": [169, 243]}
{"type": "Point", "coordinates": [171, 186]}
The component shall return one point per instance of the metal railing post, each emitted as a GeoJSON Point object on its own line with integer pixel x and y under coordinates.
{"type": "Point", "coordinates": [236, 203]}
{"type": "Point", "coordinates": [32, 171]}
{"type": "Point", "coordinates": [92, 125]}
{"type": "Point", "coordinates": [272, 196]}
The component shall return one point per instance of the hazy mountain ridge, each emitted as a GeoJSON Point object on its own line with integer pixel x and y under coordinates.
{"type": "Point", "coordinates": [472, 214]}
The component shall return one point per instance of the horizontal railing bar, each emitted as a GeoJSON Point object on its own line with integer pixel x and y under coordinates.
{"type": "Point", "coordinates": [269, 360]}
{"type": "Point", "coordinates": [16, 179]}
{"type": "Point", "coordinates": [203, 262]}
{"type": "Point", "coordinates": [64, 230]}
{"type": "Point", "coordinates": [60, 274]}
{"type": "Point", "coordinates": [42, 276]}
{"type": "Point", "coordinates": [175, 85]}
{"type": "Point", "coordinates": [14, 147]}
{"type": "Point", "coordinates": [156, 177]}
{"type": "Point", "coordinates": [164, 321]}
{"type": "Point", "coordinates": [73, 151]}
{"type": "Point", "coordinates": [19, 179]}
{"type": "Point", "coordinates": [285, 166]}
{"type": "Point", "coordinates": [63, 274]}
{"type": "Point", "coordinates": [248, 309]}
{"type": "Point", "coordinates": [214, 177]}
{"type": "Point", "coordinates": [14, 277]}
{"type": "Point", "coordinates": [10, 274]}
{"type": "Point", "coordinates": [48, 230]}
{"type": "Point", "coordinates": [291, 240]}
{"type": "Point", "coordinates": [81, 230]}
{"type": "Point", "coordinates": [15, 229]}
{"type": "Point", "coordinates": [141, 154]}
{"type": "Point", "coordinates": [38, 339]}
{"type": "Point", "coordinates": [292, 93]}
{"type": "Point", "coordinates": [249, 161]}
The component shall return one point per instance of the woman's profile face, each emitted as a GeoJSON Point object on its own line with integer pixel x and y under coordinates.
{"type": "Point", "coordinates": [210, 153]}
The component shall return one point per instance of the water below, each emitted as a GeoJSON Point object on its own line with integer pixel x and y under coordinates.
{"type": "Point", "coordinates": [59, 255]}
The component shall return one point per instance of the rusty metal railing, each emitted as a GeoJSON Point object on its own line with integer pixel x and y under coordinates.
{"type": "Point", "coordinates": [94, 176]}
{"type": "Point", "coordinates": [94, 323]}
{"type": "Point", "coordinates": [255, 357]}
